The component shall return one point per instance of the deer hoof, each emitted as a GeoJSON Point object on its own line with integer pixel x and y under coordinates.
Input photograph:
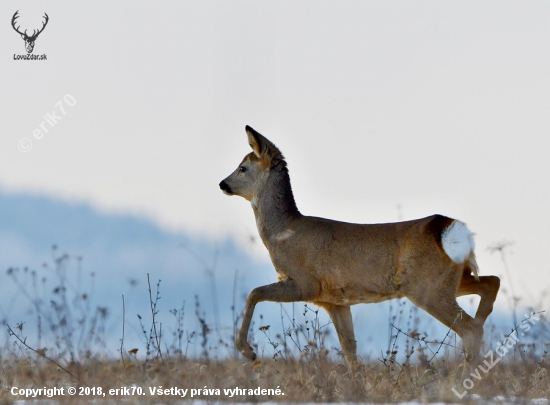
{"type": "Point", "coordinates": [248, 352]}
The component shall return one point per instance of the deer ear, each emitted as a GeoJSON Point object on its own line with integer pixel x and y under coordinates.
{"type": "Point", "coordinates": [263, 148]}
{"type": "Point", "coordinates": [255, 141]}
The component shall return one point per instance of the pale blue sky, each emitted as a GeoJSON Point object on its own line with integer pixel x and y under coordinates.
{"type": "Point", "coordinates": [439, 107]}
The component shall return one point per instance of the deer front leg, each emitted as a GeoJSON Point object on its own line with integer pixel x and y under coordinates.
{"type": "Point", "coordinates": [342, 320]}
{"type": "Point", "coordinates": [283, 291]}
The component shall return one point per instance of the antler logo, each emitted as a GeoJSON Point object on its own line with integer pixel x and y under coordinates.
{"type": "Point", "coordinates": [29, 39]}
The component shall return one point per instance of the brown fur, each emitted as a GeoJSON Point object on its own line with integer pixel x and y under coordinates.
{"type": "Point", "coordinates": [337, 264]}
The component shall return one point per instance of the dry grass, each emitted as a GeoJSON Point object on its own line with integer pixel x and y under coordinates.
{"type": "Point", "coordinates": [308, 379]}
{"type": "Point", "coordinates": [299, 363]}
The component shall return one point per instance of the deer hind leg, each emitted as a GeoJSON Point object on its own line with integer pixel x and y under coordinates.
{"type": "Point", "coordinates": [486, 287]}
{"type": "Point", "coordinates": [449, 313]}
{"type": "Point", "coordinates": [342, 320]}
{"type": "Point", "coordinates": [283, 291]}
{"type": "Point", "coordinates": [439, 300]}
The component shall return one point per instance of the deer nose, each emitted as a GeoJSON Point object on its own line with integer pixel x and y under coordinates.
{"type": "Point", "coordinates": [225, 187]}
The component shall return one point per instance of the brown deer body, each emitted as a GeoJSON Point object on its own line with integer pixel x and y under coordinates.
{"type": "Point", "coordinates": [336, 264]}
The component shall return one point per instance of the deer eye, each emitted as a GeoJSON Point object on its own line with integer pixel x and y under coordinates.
{"type": "Point", "coordinates": [242, 169]}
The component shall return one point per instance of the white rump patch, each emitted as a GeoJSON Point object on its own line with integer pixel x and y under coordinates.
{"type": "Point", "coordinates": [458, 242]}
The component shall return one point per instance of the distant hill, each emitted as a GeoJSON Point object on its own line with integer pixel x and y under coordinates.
{"type": "Point", "coordinates": [100, 257]}
{"type": "Point", "coordinates": [120, 250]}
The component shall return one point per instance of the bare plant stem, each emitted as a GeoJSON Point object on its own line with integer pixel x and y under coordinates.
{"type": "Point", "coordinates": [501, 249]}
{"type": "Point", "coordinates": [122, 340]}
{"type": "Point", "coordinates": [41, 353]}
{"type": "Point", "coordinates": [153, 313]}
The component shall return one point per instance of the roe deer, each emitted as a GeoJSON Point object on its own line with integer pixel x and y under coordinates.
{"type": "Point", "coordinates": [335, 264]}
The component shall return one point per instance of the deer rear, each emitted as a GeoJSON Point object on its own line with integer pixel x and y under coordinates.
{"type": "Point", "coordinates": [336, 264]}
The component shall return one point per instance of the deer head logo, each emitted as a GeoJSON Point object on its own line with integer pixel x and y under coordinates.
{"type": "Point", "coordinates": [29, 39]}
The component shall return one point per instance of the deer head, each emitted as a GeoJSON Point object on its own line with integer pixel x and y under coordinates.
{"type": "Point", "coordinates": [29, 39]}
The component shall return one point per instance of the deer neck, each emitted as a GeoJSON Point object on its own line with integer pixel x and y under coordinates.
{"type": "Point", "coordinates": [275, 207]}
